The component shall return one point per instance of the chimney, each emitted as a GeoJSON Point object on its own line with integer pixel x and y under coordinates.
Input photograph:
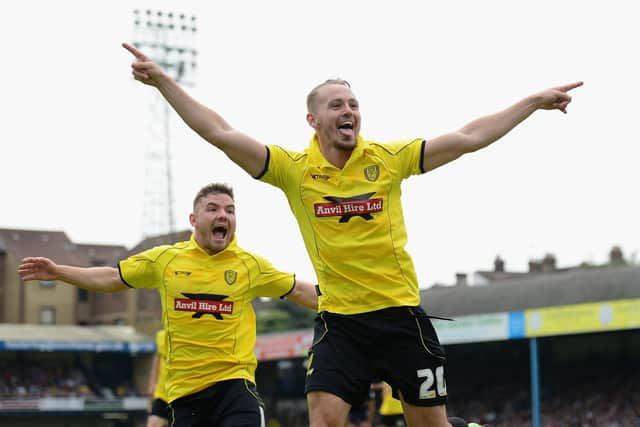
{"type": "Point", "coordinates": [461, 279]}
{"type": "Point", "coordinates": [498, 264]}
{"type": "Point", "coordinates": [615, 256]}
{"type": "Point", "coordinates": [549, 263]}
{"type": "Point", "coordinates": [535, 266]}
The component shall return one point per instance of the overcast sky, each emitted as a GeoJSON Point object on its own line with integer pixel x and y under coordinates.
{"type": "Point", "coordinates": [76, 126]}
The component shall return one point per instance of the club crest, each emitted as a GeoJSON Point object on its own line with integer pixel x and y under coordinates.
{"type": "Point", "coordinates": [230, 277]}
{"type": "Point", "coordinates": [372, 172]}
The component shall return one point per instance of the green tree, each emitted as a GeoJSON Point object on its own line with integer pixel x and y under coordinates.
{"type": "Point", "coordinates": [284, 316]}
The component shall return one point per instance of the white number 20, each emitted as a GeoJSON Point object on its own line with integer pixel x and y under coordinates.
{"type": "Point", "coordinates": [427, 390]}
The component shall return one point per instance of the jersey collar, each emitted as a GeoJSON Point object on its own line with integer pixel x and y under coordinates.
{"type": "Point", "coordinates": [232, 246]}
{"type": "Point", "coordinates": [318, 159]}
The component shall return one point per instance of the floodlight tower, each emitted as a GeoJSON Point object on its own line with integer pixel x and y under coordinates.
{"type": "Point", "coordinates": [168, 38]}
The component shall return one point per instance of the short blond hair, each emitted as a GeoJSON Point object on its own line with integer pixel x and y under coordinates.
{"type": "Point", "coordinates": [311, 98]}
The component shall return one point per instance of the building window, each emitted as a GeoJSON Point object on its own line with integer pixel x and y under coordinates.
{"type": "Point", "coordinates": [47, 316]}
{"type": "Point", "coordinates": [83, 295]}
{"type": "Point", "coordinates": [47, 284]}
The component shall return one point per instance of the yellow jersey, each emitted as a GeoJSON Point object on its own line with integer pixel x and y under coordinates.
{"type": "Point", "coordinates": [160, 392]}
{"type": "Point", "coordinates": [351, 221]}
{"type": "Point", "coordinates": [207, 312]}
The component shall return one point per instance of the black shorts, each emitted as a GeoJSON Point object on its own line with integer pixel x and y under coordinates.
{"type": "Point", "coordinates": [159, 408]}
{"type": "Point", "coordinates": [232, 403]}
{"type": "Point", "coordinates": [398, 345]}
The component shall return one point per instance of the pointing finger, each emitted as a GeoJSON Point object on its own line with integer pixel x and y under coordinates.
{"type": "Point", "coordinates": [570, 86]}
{"type": "Point", "coordinates": [135, 52]}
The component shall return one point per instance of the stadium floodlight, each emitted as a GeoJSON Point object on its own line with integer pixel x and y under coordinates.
{"type": "Point", "coordinates": [168, 38]}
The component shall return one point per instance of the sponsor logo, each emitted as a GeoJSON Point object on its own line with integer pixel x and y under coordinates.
{"type": "Point", "coordinates": [348, 207]}
{"type": "Point", "coordinates": [182, 273]}
{"type": "Point", "coordinates": [316, 177]}
{"type": "Point", "coordinates": [372, 173]}
{"type": "Point", "coordinates": [230, 276]}
{"type": "Point", "coordinates": [201, 304]}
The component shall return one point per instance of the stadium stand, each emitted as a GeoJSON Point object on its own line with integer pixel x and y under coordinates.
{"type": "Point", "coordinates": [92, 374]}
{"type": "Point", "coordinates": [584, 319]}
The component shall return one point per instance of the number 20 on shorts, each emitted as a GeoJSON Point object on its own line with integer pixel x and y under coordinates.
{"type": "Point", "coordinates": [433, 384]}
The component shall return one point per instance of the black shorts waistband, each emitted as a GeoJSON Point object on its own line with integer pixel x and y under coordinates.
{"type": "Point", "coordinates": [388, 313]}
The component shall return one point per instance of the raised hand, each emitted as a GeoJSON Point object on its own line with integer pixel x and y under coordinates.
{"type": "Point", "coordinates": [143, 68]}
{"type": "Point", "coordinates": [37, 268]}
{"type": "Point", "coordinates": [557, 98]}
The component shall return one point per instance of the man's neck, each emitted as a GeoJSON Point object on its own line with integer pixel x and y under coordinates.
{"type": "Point", "coordinates": [335, 156]}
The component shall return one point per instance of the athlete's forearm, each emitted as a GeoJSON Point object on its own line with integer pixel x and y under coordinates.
{"type": "Point", "coordinates": [153, 377]}
{"type": "Point", "coordinates": [98, 279]}
{"type": "Point", "coordinates": [243, 150]}
{"type": "Point", "coordinates": [488, 129]}
{"type": "Point", "coordinates": [203, 120]}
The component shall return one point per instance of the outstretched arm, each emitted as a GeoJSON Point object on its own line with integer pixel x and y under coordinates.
{"type": "Point", "coordinates": [486, 130]}
{"type": "Point", "coordinates": [304, 293]}
{"type": "Point", "coordinates": [245, 151]}
{"type": "Point", "coordinates": [153, 376]}
{"type": "Point", "coordinates": [99, 279]}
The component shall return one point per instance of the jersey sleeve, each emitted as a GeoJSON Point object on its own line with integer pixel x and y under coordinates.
{"type": "Point", "coordinates": [142, 270]}
{"type": "Point", "coordinates": [267, 281]}
{"type": "Point", "coordinates": [406, 156]}
{"type": "Point", "coordinates": [279, 166]}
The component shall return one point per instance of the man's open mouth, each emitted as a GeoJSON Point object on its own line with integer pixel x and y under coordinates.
{"type": "Point", "coordinates": [219, 232]}
{"type": "Point", "coordinates": [346, 128]}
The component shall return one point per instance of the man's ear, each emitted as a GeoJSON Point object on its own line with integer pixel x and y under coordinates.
{"type": "Point", "coordinates": [312, 120]}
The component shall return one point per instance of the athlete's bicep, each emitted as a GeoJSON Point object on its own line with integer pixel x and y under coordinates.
{"type": "Point", "coordinates": [443, 149]}
{"type": "Point", "coordinates": [245, 151]}
{"type": "Point", "coordinates": [304, 294]}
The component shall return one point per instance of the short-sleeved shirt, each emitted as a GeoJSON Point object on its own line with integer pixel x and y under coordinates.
{"type": "Point", "coordinates": [207, 312]}
{"type": "Point", "coordinates": [159, 392]}
{"type": "Point", "coordinates": [352, 222]}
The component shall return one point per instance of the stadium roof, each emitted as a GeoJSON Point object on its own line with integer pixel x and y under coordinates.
{"type": "Point", "coordinates": [163, 239]}
{"type": "Point", "coordinates": [535, 291]}
{"type": "Point", "coordinates": [57, 246]}
{"type": "Point", "coordinates": [21, 337]}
